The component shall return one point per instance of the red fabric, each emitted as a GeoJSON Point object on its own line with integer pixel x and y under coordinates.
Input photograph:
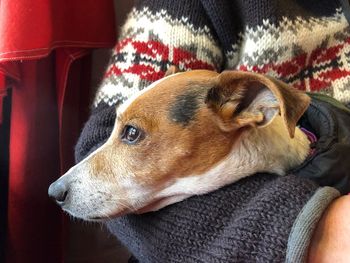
{"type": "Point", "coordinates": [34, 224]}
{"type": "Point", "coordinates": [30, 29]}
{"type": "Point", "coordinates": [40, 43]}
{"type": "Point", "coordinates": [2, 93]}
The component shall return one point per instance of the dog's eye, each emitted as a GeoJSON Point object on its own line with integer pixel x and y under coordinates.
{"type": "Point", "coordinates": [130, 134]}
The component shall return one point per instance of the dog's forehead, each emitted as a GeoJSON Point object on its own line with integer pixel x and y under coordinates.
{"type": "Point", "coordinates": [176, 92]}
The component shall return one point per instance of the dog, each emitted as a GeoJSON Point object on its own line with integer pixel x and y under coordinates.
{"type": "Point", "coordinates": [187, 134]}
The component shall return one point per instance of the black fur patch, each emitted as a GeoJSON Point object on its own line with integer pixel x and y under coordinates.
{"type": "Point", "coordinates": [185, 107]}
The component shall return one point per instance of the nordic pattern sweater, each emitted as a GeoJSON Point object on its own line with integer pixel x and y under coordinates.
{"type": "Point", "coordinates": [304, 43]}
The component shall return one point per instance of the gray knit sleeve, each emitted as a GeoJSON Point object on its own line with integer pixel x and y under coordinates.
{"type": "Point", "coordinates": [252, 220]}
{"type": "Point", "coordinates": [306, 222]}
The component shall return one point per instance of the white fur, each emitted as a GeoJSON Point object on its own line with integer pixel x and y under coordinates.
{"type": "Point", "coordinates": [263, 150]}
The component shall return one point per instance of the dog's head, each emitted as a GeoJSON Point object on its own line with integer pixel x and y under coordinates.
{"type": "Point", "coordinates": [169, 142]}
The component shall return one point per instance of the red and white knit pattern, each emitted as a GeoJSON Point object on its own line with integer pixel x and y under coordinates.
{"type": "Point", "coordinates": [311, 55]}
{"type": "Point", "coordinates": [148, 44]}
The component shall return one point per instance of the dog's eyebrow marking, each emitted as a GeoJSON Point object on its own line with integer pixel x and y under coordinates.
{"type": "Point", "coordinates": [185, 107]}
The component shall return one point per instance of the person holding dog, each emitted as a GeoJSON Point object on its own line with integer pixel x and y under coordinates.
{"type": "Point", "coordinates": [262, 218]}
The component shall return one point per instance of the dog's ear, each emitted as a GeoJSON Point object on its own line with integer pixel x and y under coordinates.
{"type": "Point", "coordinates": [248, 99]}
{"type": "Point", "coordinates": [171, 70]}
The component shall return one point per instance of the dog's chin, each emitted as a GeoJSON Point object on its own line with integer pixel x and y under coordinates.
{"type": "Point", "coordinates": [99, 219]}
{"type": "Point", "coordinates": [94, 218]}
{"type": "Point", "coordinates": [150, 207]}
{"type": "Point", "coordinates": [105, 218]}
{"type": "Point", "coordinates": [161, 203]}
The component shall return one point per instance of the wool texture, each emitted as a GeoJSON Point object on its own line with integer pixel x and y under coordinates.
{"type": "Point", "coordinates": [249, 221]}
{"type": "Point", "coordinates": [303, 43]}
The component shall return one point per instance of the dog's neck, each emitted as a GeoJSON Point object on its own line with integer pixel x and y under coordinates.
{"type": "Point", "coordinates": [271, 149]}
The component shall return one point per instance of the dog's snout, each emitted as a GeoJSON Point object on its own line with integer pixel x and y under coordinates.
{"type": "Point", "coordinates": [58, 191]}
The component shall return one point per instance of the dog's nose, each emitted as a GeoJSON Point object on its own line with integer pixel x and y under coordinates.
{"type": "Point", "coordinates": [58, 191]}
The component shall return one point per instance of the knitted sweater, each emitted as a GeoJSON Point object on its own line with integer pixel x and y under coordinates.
{"type": "Point", "coordinates": [265, 218]}
{"type": "Point", "coordinates": [304, 43]}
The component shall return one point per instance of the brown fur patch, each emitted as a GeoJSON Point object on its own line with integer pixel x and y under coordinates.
{"type": "Point", "coordinates": [101, 165]}
{"type": "Point", "coordinates": [170, 149]}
